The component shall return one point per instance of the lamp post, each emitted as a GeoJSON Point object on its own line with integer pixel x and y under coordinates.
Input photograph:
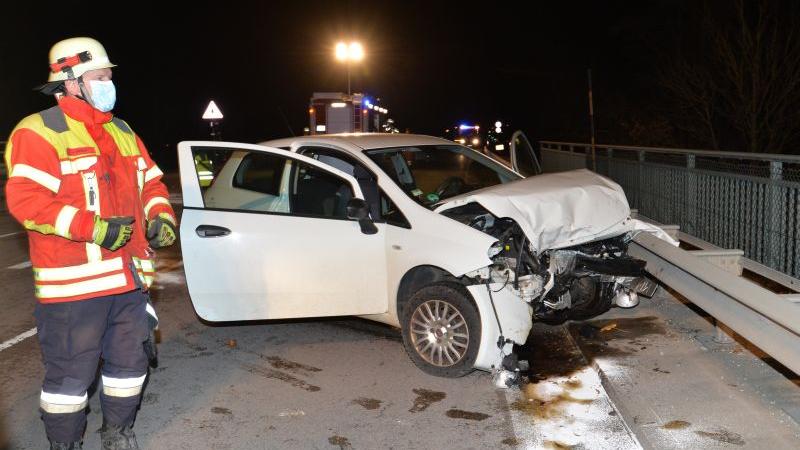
{"type": "Point", "coordinates": [349, 53]}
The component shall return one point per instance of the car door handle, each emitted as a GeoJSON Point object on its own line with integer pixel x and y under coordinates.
{"type": "Point", "coordinates": [211, 231]}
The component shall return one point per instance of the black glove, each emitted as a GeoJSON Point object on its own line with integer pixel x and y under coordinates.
{"type": "Point", "coordinates": [161, 231]}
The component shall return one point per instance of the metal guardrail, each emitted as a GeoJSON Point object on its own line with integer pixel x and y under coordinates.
{"type": "Point", "coordinates": [758, 302]}
{"type": "Point", "coordinates": [733, 200]}
{"type": "Point", "coordinates": [712, 278]}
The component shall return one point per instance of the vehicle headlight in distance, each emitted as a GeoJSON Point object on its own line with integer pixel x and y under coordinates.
{"type": "Point", "coordinates": [495, 249]}
{"type": "Point", "coordinates": [476, 141]}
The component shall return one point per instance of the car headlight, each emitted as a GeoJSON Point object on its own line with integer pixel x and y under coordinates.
{"type": "Point", "coordinates": [495, 249]}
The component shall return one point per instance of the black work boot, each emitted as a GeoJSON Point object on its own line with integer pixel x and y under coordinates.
{"type": "Point", "coordinates": [66, 445]}
{"type": "Point", "coordinates": [116, 437]}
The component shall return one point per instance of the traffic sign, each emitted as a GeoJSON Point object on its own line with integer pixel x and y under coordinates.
{"type": "Point", "coordinates": [212, 112]}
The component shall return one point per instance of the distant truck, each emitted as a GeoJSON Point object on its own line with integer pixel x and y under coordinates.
{"type": "Point", "coordinates": [336, 112]}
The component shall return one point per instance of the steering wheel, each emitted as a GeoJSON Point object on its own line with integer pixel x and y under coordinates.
{"type": "Point", "coordinates": [449, 187]}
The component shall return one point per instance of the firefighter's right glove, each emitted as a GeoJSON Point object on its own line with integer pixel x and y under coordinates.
{"type": "Point", "coordinates": [161, 231]}
{"type": "Point", "coordinates": [113, 232]}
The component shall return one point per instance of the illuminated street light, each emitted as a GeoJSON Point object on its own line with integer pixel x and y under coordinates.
{"type": "Point", "coordinates": [355, 51]}
{"type": "Point", "coordinates": [341, 51]}
{"type": "Point", "coordinates": [347, 53]}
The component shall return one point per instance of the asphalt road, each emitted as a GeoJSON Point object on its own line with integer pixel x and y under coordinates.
{"type": "Point", "coordinates": [346, 383]}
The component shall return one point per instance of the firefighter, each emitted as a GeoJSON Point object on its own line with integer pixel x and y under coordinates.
{"type": "Point", "coordinates": [84, 186]}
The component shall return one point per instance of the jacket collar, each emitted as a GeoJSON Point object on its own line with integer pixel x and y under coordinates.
{"type": "Point", "coordinates": [82, 111]}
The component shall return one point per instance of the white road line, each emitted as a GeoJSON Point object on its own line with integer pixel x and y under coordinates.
{"type": "Point", "coordinates": [17, 339]}
{"type": "Point", "coordinates": [22, 265]}
{"type": "Point", "coordinates": [10, 234]}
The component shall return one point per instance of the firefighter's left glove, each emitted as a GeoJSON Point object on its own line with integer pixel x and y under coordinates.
{"type": "Point", "coordinates": [150, 348]}
{"type": "Point", "coordinates": [113, 232]}
{"type": "Point", "coordinates": [161, 231]}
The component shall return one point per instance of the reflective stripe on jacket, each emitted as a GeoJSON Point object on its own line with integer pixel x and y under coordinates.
{"type": "Point", "coordinates": [67, 164]}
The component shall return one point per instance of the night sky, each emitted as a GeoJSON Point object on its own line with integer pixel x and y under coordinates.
{"type": "Point", "coordinates": [433, 64]}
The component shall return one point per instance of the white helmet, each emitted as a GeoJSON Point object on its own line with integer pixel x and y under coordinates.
{"type": "Point", "coordinates": [73, 57]}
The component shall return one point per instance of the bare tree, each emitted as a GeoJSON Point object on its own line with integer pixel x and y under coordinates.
{"type": "Point", "coordinates": [749, 81]}
{"type": "Point", "coordinates": [694, 94]}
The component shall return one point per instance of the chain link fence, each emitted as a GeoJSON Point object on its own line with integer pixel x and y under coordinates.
{"type": "Point", "coordinates": [733, 200]}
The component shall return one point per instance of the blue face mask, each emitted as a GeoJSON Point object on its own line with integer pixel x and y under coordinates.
{"type": "Point", "coordinates": [104, 95]}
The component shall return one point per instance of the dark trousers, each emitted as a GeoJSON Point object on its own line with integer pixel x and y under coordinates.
{"type": "Point", "coordinates": [74, 336]}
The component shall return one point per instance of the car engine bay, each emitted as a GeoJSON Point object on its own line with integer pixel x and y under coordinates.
{"type": "Point", "coordinates": [572, 283]}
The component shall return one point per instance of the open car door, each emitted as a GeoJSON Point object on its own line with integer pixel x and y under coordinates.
{"type": "Point", "coordinates": [267, 236]}
{"type": "Point", "coordinates": [523, 157]}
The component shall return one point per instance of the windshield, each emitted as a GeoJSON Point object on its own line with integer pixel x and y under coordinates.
{"type": "Point", "coordinates": [431, 173]}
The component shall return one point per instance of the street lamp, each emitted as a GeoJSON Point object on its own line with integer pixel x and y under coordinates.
{"type": "Point", "coordinates": [348, 53]}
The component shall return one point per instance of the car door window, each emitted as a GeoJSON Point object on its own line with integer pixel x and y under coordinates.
{"type": "Point", "coordinates": [391, 213]}
{"type": "Point", "coordinates": [523, 158]}
{"type": "Point", "coordinates": [260, 172]}
{"type": "Point", "coordinates": [252, 181]}
{"type": "Point", "coordinates": [367, 180]}
{"type": "Point", "coordinates": [315, 192]}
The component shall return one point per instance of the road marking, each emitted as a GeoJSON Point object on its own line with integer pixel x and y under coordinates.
{"type": "Point", "coordinates": [22, 265]}
{"type": "Point", "coordinates": [10, 234]}
{"type": "Point", "coordinates": [17, 339]}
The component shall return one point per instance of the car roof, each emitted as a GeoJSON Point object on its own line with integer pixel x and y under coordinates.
{"type": "Point", "coordinates": [365, 141]}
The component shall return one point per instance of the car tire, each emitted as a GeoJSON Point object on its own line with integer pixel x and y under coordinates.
{"type": "Point", "coordinates": [433, 333]}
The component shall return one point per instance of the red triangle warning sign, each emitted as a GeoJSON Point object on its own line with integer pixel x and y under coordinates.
{"type": "Point", "coordinates": [212, 112]}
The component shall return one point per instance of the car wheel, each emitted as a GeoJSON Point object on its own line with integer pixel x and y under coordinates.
{"type": "Point", "coordinates": [441, 330]}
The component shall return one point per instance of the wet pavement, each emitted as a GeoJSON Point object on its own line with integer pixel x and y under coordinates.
{"type": "Point", "coordinates": [649, 377]}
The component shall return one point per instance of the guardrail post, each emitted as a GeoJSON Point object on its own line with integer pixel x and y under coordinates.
{"type": "Point", "coordinates": [722, 333]}
{"type": "Point", "coordinates": [691, 195]}
{"type": "Point", "coordinates": [774, 217]}
{"type": "Point", "coordinates": [639, 197]}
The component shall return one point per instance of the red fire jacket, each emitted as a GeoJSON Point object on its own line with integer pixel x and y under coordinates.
{"type": "Point", "coordinates": [66, 165]}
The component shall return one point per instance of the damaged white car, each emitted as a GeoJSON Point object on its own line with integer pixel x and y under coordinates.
{"type": "Point", "coordinates": [454, 248]}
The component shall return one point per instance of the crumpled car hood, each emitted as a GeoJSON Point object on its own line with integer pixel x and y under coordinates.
{"type": "Point", "coordinates": [560, 209]}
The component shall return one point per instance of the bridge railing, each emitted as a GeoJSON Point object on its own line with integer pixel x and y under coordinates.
{"type": "Point", "coordinates": [733, 200]}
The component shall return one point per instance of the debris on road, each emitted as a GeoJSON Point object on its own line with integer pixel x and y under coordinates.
{"type": "Point", "coordinates": [609, 327]}
{"type": "Point", "coordinates": [425, 398]}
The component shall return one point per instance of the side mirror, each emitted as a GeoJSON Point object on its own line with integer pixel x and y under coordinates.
{"type": "Point", "coordinates": [357, 209]}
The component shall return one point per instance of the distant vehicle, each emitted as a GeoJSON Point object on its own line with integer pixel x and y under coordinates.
{"type": "Point", "coordinates": [336, 112]}
{"type": "Point", "coordinates": [466, 135]}
{"type": "Point", "coordinates": [457, 250]}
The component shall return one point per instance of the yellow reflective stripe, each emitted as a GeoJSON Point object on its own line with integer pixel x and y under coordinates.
{"type": "Point", "coordinates": [153, 172]}
{"type": "Point", "coordinates": [72, 272]}
{"type": "Point", "coordinates": [122, 387]}
{"type": "Point", "coordinates": [169, 218]}
{"type": "Point", "coordinates": [81, 287]}
{"type": "Point", "coordinates": [64, 220]}
{"type": "Point", "coordinates": [153, 202]}
{"type": "Point", "coordinates": [45, 179]}
{"type": "Point", "coordinates": [40, 228]}
{"type": "Point", "coordinates": [61, 403]}
{"type": "Point", "coordinates": [147, 265]}
{"type": "Point", "coordinates": [126, 142]}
